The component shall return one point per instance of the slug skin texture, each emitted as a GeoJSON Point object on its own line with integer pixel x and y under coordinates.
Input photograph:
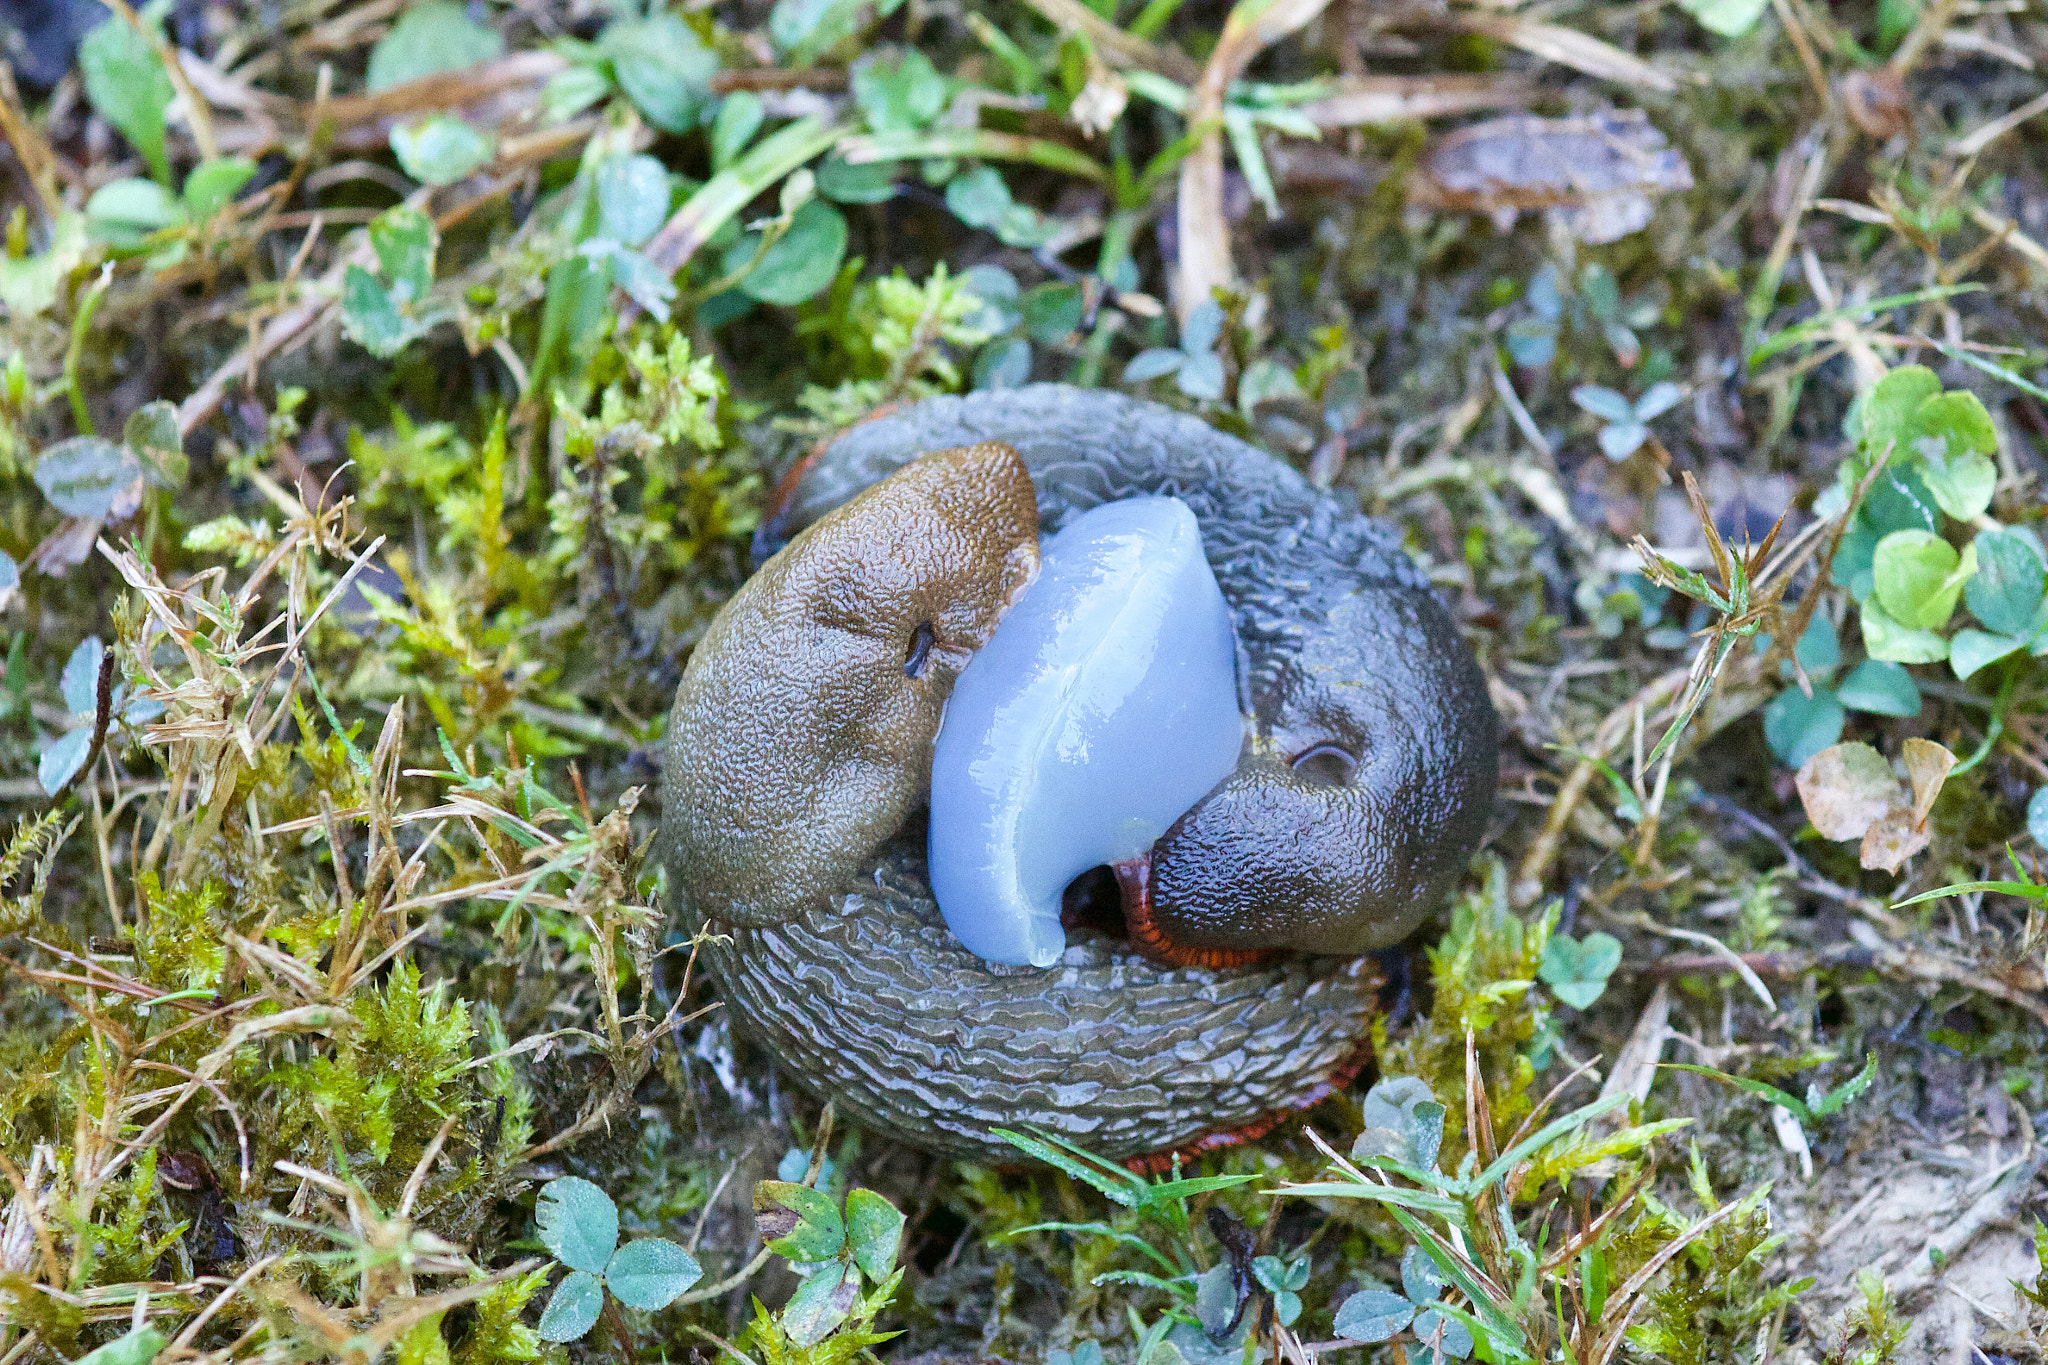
{"type": "Point", "coordinates": [802, 731]}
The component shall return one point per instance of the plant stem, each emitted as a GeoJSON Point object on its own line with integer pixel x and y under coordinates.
{"type": "Point", "coordinates": [617, 1322]}
{"type": "Point", "coordinates": [80, 324]}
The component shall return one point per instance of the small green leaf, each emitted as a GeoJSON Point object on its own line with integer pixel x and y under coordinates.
{"type": "Point", "coordinates": [129, 87]}
{"type": "Point", "coordinates": [1878, 688]}
{"type": "Point", "coordinates": [151, 434]}
{"type": "Point", "coordinates": [1577, 971]}
{"type": "Point", "coordinates": [124, 212]}
{"type": "Point", "coordinates": [369, 315]}
{"type": "Point", "coordinates": [902, 95]}
{"type": "Point", "coordinates": [2037, 816]}
{"type": "Point", "coordinates": [1154, 363]}
{"type": "Point", "coordinates": [740, 116]}
{"type": "Point", "coordinates": [1006, 364]}
{"type": "Point", "coordinates": [651, 1273]}
{"type": "Point", "coordinates": [579, 1223]}
{"type": "Point", "coordinates": [1421, 1280]}
{"type": "Point", "coordinates": [1373, 1315]}
{"type": "Point", "coordinates": [213, 183]}
{"type": "Point", "coordinates": [874, 1227]}
{"type": "Point", "coordinates": [1201, 377]}
{"type": "Point", "coordinates": [1604, 403]}
{"type": "Point", "coordinates": [1890, 407]}
{"type": "Point", "coordinates": [138, 1347]}
{"type": "Point", "coordinates": [1819, 650]}
{"type": "Point", "coordinates": [64, 757]}
{"type": "Point", "coordinates": [2006, 593]}
{"type": "Point", "coordinates": [821, 1303]}
{"type": "Point", "coordinates": [1919, 576]}
{"type": "Point", "coordinates": [89, 476]}
{"type": "Point", "coordinates": [573, 1308]}
{"type": "Point", "coordinates": [1899, 501]}
{"type": "Point", "coordinates": [1797, 726]}
{"type": "Point", "coordinates": [663, 66]}
{"type": "Point", "coordinates": [872, 182]}
{"type": "Point", "coordinates": [802, 263]}
{"type": "Point", "coordinates": [1959, 420]}
{"type": "Point", "coordinates": [632, 198]}
{"type": "Point", "coordinates": [1820, 1106]}
{"type": "Point", "coordinates": [428, 38]}
{"type": "Point", "coordinates": [439, 150]}
{"type": "Point", "coordinates": [1961, 484]}
{"type": "Point", "coordinates": [404, 240]}
{"type": "Point", "coordinates": [1970, 650]}
{"type": "Point", "coordinates": [79, 683]}
{"type": "Point", "coordinates": [1884, 638]}
{"type": "Point", "coordinates": [1051, 311]}
{"type": "Point", "coordinates": [797, 1221]}
{"type": "Point", "coordinates": [572, 90]}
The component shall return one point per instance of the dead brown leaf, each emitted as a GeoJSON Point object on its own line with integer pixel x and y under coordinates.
{"type": "Point", "coordinates": [1600, 171]}
{"type": "Point", "coordinates": [1876, 101]}
{"type": "Point", "coordinates": [1927, 767]}
{"type": "Point", "coordinates": [1891, 840]}
{"type": "Point", "coordinates": [1846, 789]}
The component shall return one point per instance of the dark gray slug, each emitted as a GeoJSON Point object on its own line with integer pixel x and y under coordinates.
{"type": "Point", "coordinates": [1235, 993]}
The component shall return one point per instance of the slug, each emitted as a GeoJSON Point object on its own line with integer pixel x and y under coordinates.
{"type": "Point", "coordinates": [1000, 640]}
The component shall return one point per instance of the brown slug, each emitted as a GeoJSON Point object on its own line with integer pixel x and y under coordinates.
{"type": "Point", "coordinates": [1233, 994]}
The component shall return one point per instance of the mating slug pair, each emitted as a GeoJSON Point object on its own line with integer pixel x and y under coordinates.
{"type": "Point", "coordinates": [1006, 639]}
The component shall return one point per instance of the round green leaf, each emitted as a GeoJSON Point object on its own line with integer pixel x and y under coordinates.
{"type": "Point", "coordinates": [799, 265]}
{"type": "Point", "coordinates": [436, 36]}
{"type": "Point", "coordinates": [2037, 816]}
{"type": "Point", "coordinates": [88, 476]}
{"type": "Point", "coordinates": [1889, 408]}
{"type": "Point", "coordinates": [151, 435]}
{"type": "Point", "coordinates": [2007, 590]}
{"type": "Point", "coordinates": [1373, 1315]}
{"type": "Point", "coordinates": [1819, 650]}
{"type": "Point", "coordinates": [573, 1308]}
{"type": "Point", "coordinates": [874, 1227]}
{"type": "Point", "coordinates": [1604, 403]}
{"type": "Point", "coordinates": [1576, 972]}
{"type": "Point", "coordinates": [663, 66]}
{"type": "Point", "coordinates": [1004, 365]}
{"type": "Point", "coordinates": [440, 150]}
{"type": "Point", "coordinates": [1899, 501]}
{"type": "Point", "coordinates": [1456, 1338]}
{"type": "Point", "coordinates": [1797, 726]}
{"type": "Point", "coordinates": [1958, 418]}
{"type": "Point", "coordinates": [1051, 311]}
{"type": "Point", "coordinates": [1919, 576]}
{"type": "Point", "coordinates": [651, 1273]}
{"type": "Point", "coordinates": [579, 1224]}
{"type": "Point", "coordinates": [632, 198]}
{"type": "Point", "coordinates": [1879, 688]}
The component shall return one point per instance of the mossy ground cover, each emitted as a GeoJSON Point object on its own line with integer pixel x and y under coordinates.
{"type": "Point", "coordinates": [389, 393]}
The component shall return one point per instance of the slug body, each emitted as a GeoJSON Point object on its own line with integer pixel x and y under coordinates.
{"type": "Point", "coordinates": [1364, 763]}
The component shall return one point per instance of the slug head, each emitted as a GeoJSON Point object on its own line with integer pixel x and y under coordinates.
{"type": "Point", "coordinates": [802, 731]}
{"type": "Point", "coordinates": [1356, 806]}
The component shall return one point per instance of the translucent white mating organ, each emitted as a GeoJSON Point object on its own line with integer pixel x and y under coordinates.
{"type": "Point", "coordinates": [1104, 706]}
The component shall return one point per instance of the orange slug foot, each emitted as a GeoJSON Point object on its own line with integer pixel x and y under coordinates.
{"type": "Point", "coordinates": [1162, 1163]}
{"type": "Point", "coordinates": [1134, 880]}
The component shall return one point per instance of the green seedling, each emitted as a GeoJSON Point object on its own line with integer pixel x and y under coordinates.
{"type": "Point", "coordinates": [579, 1224]}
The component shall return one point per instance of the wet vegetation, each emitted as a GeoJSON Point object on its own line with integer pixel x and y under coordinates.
{"type": "Point", "coordinates": [388, 392]}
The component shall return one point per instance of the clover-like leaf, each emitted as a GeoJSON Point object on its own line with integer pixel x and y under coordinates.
{"type": "Point", "coordinates": [79, 683]}
{"type": "Point", "coordinates": [663, 66]}
{"type": "Point", "coordinates": [573, 1308]}
{"type": "Point", "coordinates": [439, 150]}
{"type": "Point", "coordinates": [874, 1227]}
{"type": "Point", "coordinates": [1889, 408]}
{"type": "Point", "coordinates": [1577, 971]}
{"type": "Point", "coordinates": [213, 183]}
{"type": "Point", "coordinates": [1604, 403]}
{"type": "Point", "coordinates": [579, 1223]}
{"type": "Point", "coordinates": [801, 263]}
{"type": "Point", "coordinates": [633, 195]}
{"type": "Point", "coordinates": [66, 754]}
{"type": "Point", "coordinates": [430, 37]}
{"type": "Point", "coordinates": [651, 1273]}
{"type": "Point", "coordinates": [1884, 638]}
{"type": "Point", "coordinates": [797, 1221]}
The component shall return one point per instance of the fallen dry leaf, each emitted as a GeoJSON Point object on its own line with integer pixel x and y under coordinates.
{"type": "Point", "coordinates": [1599, 171]}
{"type": "Point", "coordinates": [1876, 101]}
{"type": "Point", "coordinates": [1846, 789]}
{"type": "Point", "coordinates": [1927, 767]}
{"type": "Point", "coordinates": [1893, 839]}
